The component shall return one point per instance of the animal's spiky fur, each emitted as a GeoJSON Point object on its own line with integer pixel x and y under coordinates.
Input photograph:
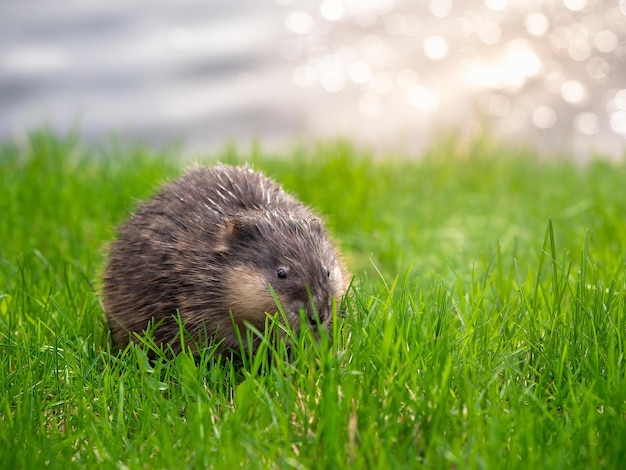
{"type": "Point", "coordinates": [210, 244]}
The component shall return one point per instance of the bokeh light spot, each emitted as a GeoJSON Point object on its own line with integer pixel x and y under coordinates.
{"type": "Point", "coordinates": [381, 83]}
{"type": "Point", "coordinates": [332, 10]}
{"type": "Point", "coordinates": [408, 78]}
{"type": "Point", "coordinates": [299, 22]}
{"type": "Point", "coordinates": [423, 99]}
{"type": "Point", "coordinates": [606, 41]}
{"type": "Point", "coordinates": [497, 5]}
{"type": "Point", "coordinates": [576, 37]}
{"type": "Point", "coordinates": [489, 32]}
{"type": "Point", "coordinates": [543, 117]}
{"type": "Point", "coordinates": [441, 8]}
{"type": "Point", "coordinates": [620, 99]}
{"type": "Point", "coordinates": [515, 121]}
{"type": "Point", "coordinates": [496, 105]}
{"type": "Point", "coordinates": [333, 80]}
{"type": "Point", "coordinates": [598, 68]}
{"type": "Point", "coordinates": [435, 47]}
{"type": "Point", "coordinates": [537, 24]}
{"type": "Point", "coordinates": [485, 75]}
{"type": "Point", "coordinates": [360, 72]}
{"type": "Point", "coordinates": [376, 51]}
{"type": "Point", "coordinates": [618, 122]}
{"type": "Point", "coordinates": [402, 25]}
{"type": "Point", "coordinates": [304, 76]}
{"type": "Point", "coordinates": [579, 50]}
{"type": "Point", "coordinates": [553, 79]}
{"type": "Point", "coordinates": [395, 24]}
{"type": "Point", "coordinates": [587, 123]}
{"type": "Point", "coordinates": [575, 5]}
{"type": "Point", "coordinates": [573, 91]}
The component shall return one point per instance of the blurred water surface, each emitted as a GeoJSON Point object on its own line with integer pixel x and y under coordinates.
{"type": "Point", "coordinates": [389, 74]}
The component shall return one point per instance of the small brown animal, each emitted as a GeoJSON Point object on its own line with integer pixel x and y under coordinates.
{"type": "Point", "coordinates": [209, 246]}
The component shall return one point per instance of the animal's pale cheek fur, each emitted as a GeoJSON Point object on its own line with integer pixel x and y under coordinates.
{"type": "Point", "coordinates": [338, 282]}
{"type": "Point", "coordinates": [248, 297]}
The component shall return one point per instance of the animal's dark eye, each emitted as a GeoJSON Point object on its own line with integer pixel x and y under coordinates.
{"type": "Point", "coordinates": [328, 273]}
{"type": "Point", "coordinates": [282, 274]}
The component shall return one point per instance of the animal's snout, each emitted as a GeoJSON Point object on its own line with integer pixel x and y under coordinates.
{"type": "Point", "coordinates": [318, 312]}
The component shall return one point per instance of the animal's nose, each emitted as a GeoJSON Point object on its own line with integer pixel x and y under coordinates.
{"type": "Point", "coordinates": [323, 314]}
{"type": "Point", "coordinates": [318, 313]}
{"type": "Point", "coordinates": [313, 318]}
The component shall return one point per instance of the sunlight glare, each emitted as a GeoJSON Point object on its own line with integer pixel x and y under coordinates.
{"type": "Point", "coordinates": [423, 99]}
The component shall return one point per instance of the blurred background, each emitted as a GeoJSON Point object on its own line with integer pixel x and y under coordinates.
{"type": "Point", "coordinates": [388, 74]}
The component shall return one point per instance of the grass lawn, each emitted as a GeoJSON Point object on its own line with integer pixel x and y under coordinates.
{"type": "Point", "coordinates": [486, 326]}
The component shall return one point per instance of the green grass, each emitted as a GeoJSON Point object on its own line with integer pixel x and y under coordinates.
{"type": "Point", "coordinates": [486, 326]}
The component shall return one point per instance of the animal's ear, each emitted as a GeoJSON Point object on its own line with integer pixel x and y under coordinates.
{"type": "Point", "coordinates": [237, 232]}
{"type": "Point", "coordinates": [316, 226]}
